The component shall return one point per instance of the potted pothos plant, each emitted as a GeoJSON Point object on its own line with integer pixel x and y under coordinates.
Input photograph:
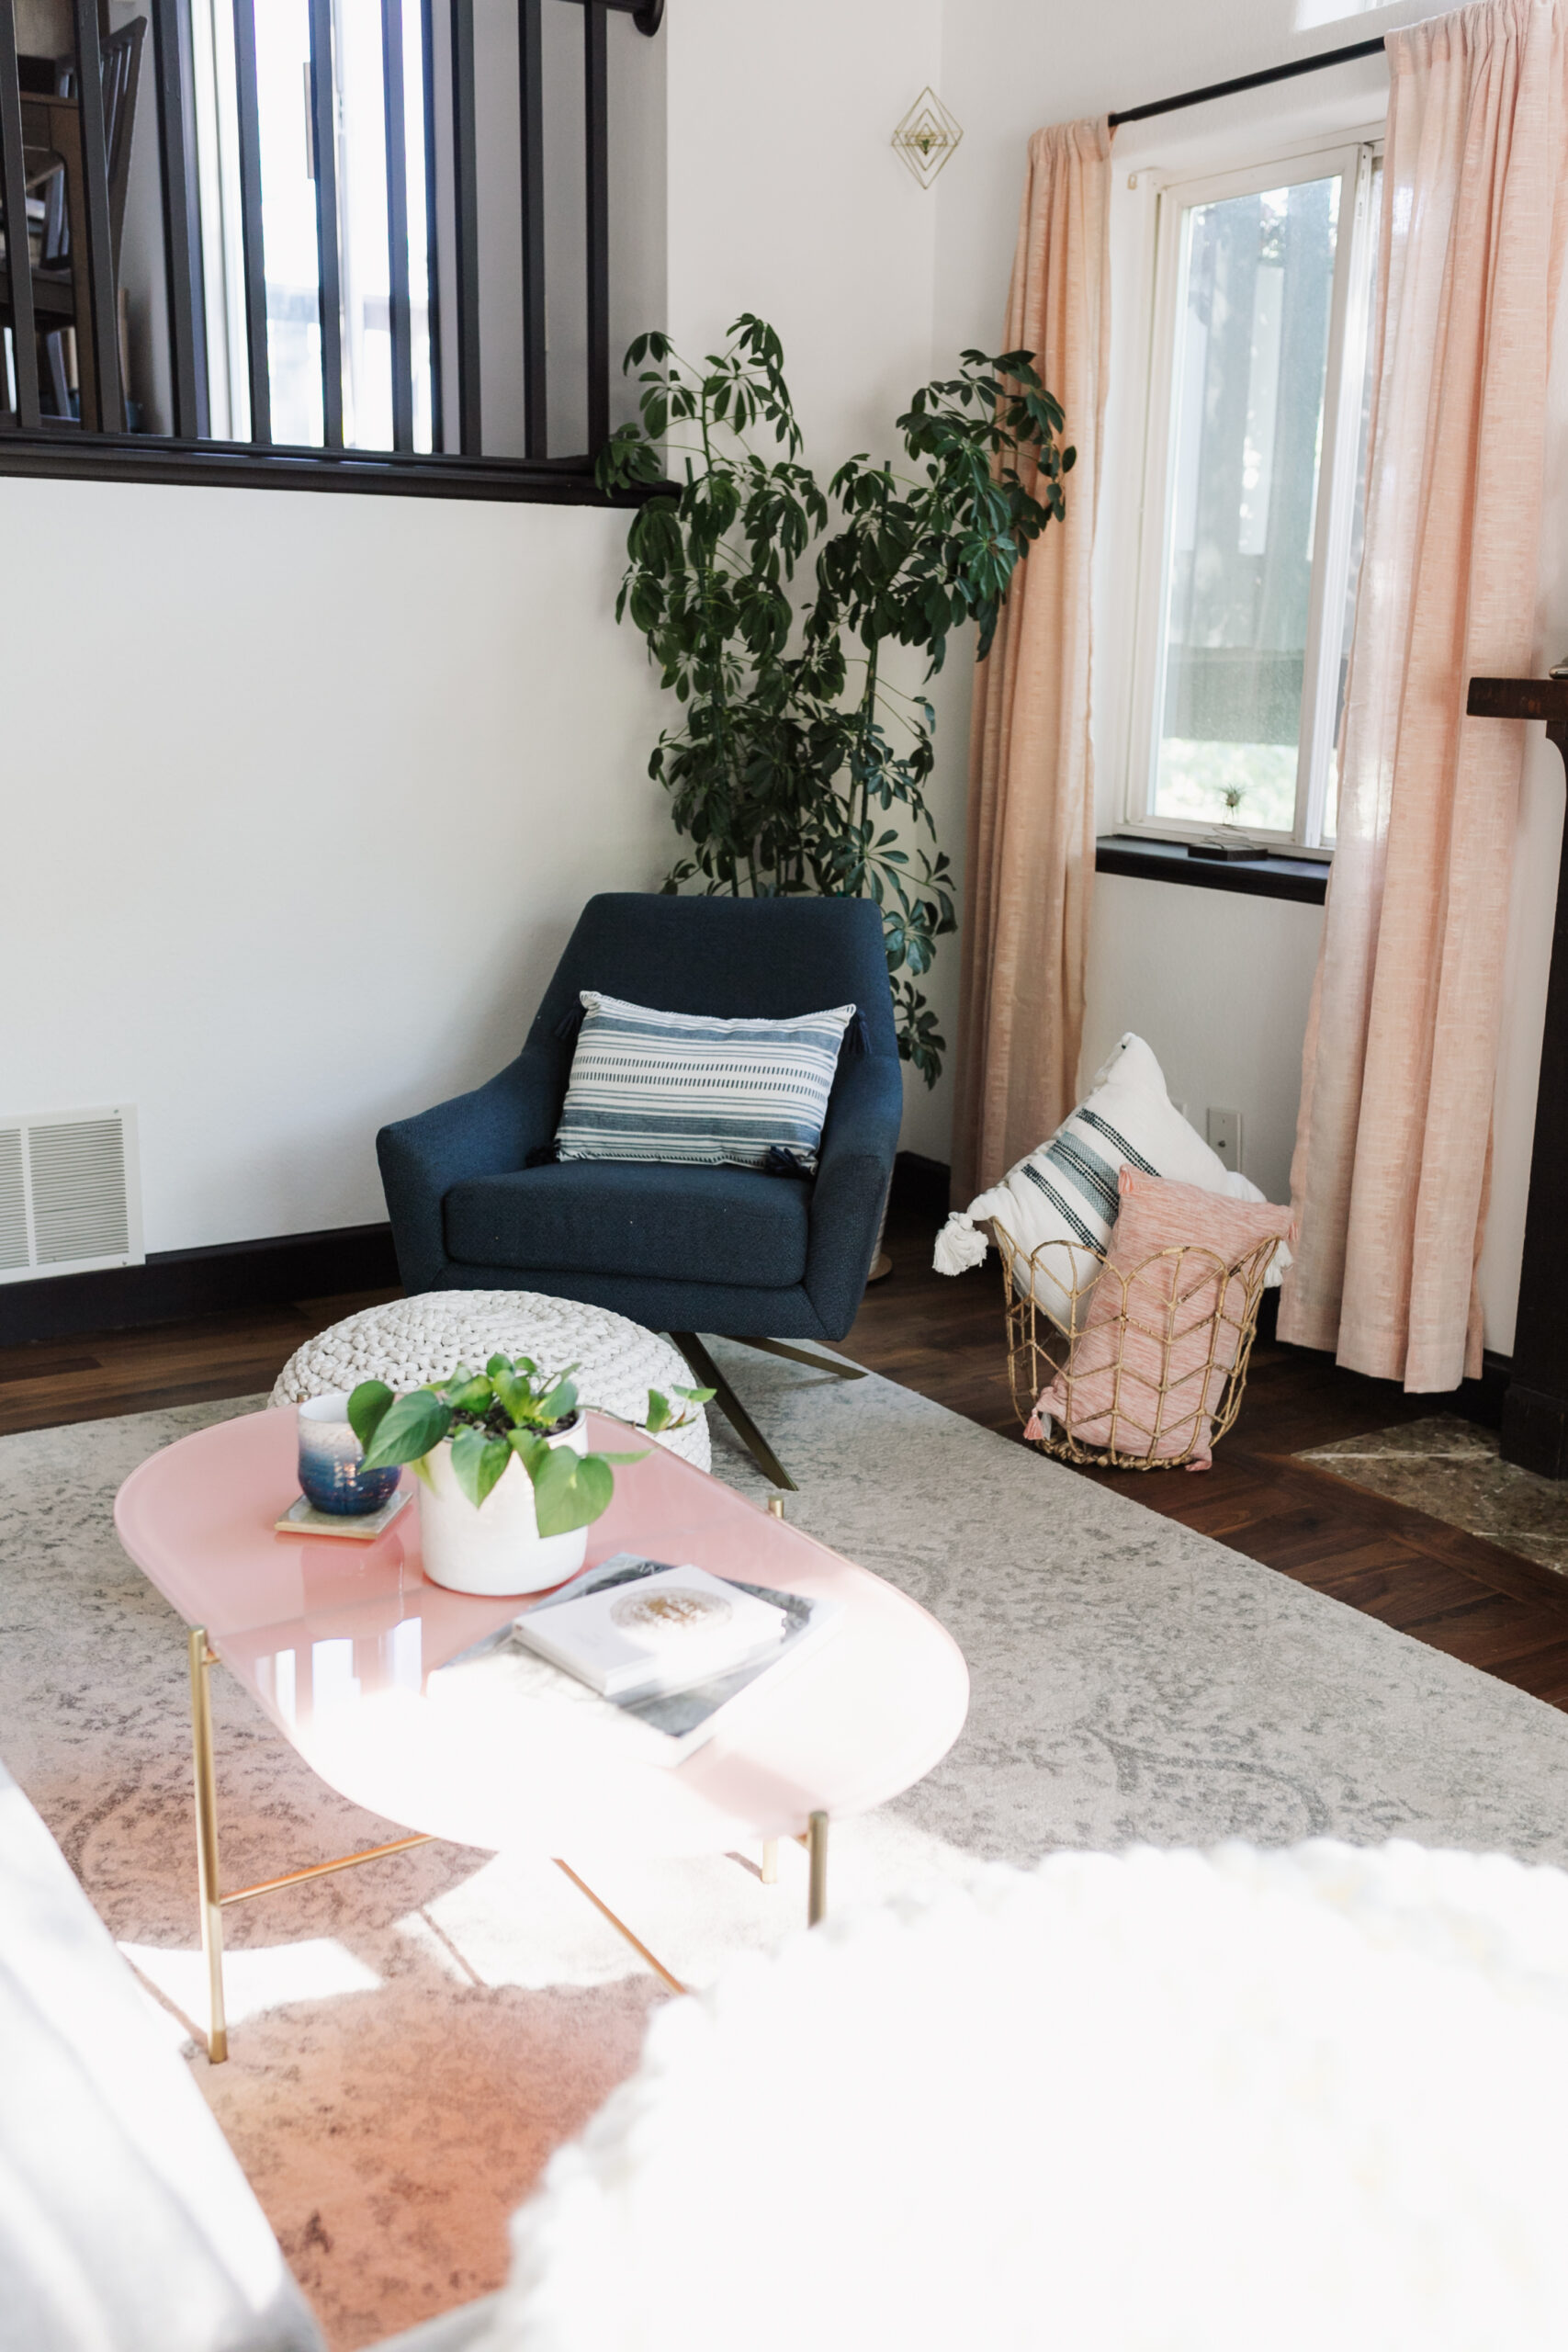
{"type": "Point", "coordinates": [508, 1486]}
{"type": "Point", "coordinates": [799, 767]}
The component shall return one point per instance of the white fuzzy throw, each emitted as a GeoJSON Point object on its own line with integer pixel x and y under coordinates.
{"type": "Point", "coordinates": [1311, 2101]}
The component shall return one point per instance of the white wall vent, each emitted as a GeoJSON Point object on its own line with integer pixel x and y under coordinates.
{"type": "Point", "coordinates": [70, 1198]}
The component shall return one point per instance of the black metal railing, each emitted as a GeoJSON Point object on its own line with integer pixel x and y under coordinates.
{"type": "Point", "coordinates": [71, 403]}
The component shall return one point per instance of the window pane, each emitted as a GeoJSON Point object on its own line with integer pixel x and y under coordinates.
{"type": "Point", "coordinates": [362, 208]}
{"type": "Point", "coordinates": [1251, 360]}
{"type": "Point", "coordinates": [1359, 515]}
{"type": "Point", "coordinates": [417, 221]}
{"type": "Point", "coordinates": [289, 222]}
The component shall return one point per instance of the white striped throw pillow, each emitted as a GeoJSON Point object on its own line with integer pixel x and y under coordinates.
{"type": "Point", "coordinates": [676, 1086]}
{"type": "Point", "coordinates": [1066, 1195]}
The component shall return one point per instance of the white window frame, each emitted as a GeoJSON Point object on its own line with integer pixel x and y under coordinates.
{"type": "Point", "coordinates": [1353, 158]}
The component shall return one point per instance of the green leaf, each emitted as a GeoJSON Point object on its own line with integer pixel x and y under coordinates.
{"type": "Point", "coordinates": [658, 1415]}
{"type": "Point", "coordinates": [514, 1395]}
{"type": "Point", "coordinates": [478, 1461]}
{"type": "Point", "coordinates": [528, 1445]}
{"type": "Point", "coordinates": [474, 1395]}
{"type": "Point", "coordinates": [698, 1396]}
{"type": "Point", "coordinates": [366, 1409]}
{"type": "Point", "coordinates": [570, 1490]}
{"type": "Point", "coordinates": [409, 1428]}
{"type": "Point", "coordinates": [559, 1405]}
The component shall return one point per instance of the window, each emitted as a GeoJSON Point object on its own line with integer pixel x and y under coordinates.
{"type": "Point", "coordinates": [1253, 499]}
{"type": "Point", "coordinates": [367, 241]}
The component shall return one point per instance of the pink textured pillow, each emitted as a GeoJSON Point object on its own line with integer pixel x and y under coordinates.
{"type": "Point", "coordinates": [1147, 1371]}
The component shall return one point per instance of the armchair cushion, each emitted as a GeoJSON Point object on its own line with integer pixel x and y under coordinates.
{"type": "Point", "coordinates": [634, 1218]}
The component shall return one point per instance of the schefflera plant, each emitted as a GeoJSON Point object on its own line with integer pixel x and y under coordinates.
{"type": "Point", "coordinates": [507, 1412]}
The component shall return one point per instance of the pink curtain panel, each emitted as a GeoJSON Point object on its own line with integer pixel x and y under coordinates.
{"type": "Point", "coordinates": [1392, 1146]}
{"type": "Point", "coordinates": [1030, 831]}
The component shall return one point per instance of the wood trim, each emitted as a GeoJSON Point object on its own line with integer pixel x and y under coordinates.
{"type": "Point", "coordinates": [69, 456]}
{"type": "Point", "coordinates": [1266, 876]}
{"type": "Point", "coordinates": [176, 1283]}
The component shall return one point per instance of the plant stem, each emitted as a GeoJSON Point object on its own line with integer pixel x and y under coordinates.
{"type": "Point", "coordinates": [726, 736]}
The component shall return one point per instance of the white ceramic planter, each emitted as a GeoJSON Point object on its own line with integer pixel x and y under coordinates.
{"type": "Point", "coordinates": [498, 1548]}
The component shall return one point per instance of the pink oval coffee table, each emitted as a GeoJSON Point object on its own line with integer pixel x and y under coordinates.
{"type": "Point", "coordinates": [337, 1642]}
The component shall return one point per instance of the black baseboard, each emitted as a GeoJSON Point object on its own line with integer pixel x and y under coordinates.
{"type": "Point", "coordinates": [920, 1185]}
{"type": "Point", "coordinates": [175, 1285]}
{"type": "Point", "coordinates": [1481, 1400]}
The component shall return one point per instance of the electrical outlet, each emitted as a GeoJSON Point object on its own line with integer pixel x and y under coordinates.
{"type": "Point", "coordinates": [1223, 1131]}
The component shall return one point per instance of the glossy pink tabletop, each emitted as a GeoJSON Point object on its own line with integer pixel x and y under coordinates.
{"type": "Point", "coordinates": [337, 1642]}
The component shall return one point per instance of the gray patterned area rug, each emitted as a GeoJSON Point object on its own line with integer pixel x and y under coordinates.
{"type": "Point", "coordinates": [410, 2041]}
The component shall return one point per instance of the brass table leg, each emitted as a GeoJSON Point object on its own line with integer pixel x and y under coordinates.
{"type": "Point", "coordinates": [816, 1848]}
{"type": "Point", "coordinates": [620, 1928]}
{"type": "Point", "coordinates": [201, 1661]}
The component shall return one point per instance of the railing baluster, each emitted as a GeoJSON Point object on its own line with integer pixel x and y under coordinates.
{"type": "Point", "coordinates": [182, 218]}
{"type": "Point", "coordinates": [398, 223]}
{"type": "Point", "coordinates": [595, 77]}
{"type": "Point", "coordinates": [18, 255]}
{"type": "Point", "coordinates": [531, 120]}
{"type": "Point", "coordinates": [254, 263]}
{"type": "Point", "coordinates": [466, 207]}
{"type": "Point", "coordinates": [432, 219]}
{"type": "Point", "coordinates": [323, 127]}
{"type": "Point", "coordinates": [101, 390]}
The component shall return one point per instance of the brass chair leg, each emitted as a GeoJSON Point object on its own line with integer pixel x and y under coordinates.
{"type": "Point", "coordinates": [804, 1355]}
{"type": "Point", "coordinates": [770, 1861]}
{"type": "Point", "coordinates": [202, 1660]}
{"type": "Point", "coordinates": [734, 1412]}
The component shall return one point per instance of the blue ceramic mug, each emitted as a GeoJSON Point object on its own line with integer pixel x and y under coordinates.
{"type": "Point", "coordinates": [333, 1476]}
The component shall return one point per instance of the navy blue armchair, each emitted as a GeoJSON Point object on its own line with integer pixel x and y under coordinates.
{"type": "Point", "coordinates": [755, 1257]}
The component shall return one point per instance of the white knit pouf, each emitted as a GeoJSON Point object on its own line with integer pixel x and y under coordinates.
{"type": "Point", "coordinates": [1146, 2102]}
{"type": "Point", "coordinates": [412, 1340]}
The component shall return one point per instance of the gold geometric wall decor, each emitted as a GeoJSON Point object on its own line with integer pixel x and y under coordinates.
{"type": "Point", "coordinates": [927, 137]}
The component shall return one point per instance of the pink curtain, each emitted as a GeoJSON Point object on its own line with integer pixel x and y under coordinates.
{"type": "Point", "coordinates": [1392, 1145]}
{"type": "Point", "coordinates": [1031, 828]}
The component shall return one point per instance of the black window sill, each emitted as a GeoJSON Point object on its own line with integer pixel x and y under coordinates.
{"type": "Point", "coordinates": [64, 455]}
{"type": "Point", "coordinates": [1303, 878]}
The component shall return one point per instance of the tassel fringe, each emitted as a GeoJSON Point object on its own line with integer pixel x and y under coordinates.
{"type": "Point", "coordinates": [959, 1246]}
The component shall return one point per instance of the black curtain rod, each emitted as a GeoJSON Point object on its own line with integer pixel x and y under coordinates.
{"type": "Point", "coordinates": [1249, 80]}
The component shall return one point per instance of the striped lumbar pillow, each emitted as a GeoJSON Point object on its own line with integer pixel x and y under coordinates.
{"type": "Point", "coordinates": [676, 1086]}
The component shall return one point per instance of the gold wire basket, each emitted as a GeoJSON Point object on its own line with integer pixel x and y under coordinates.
{"type": "Point", "coordinates": [1184, 1303]}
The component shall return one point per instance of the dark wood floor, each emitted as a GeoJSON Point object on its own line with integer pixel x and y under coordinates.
{"type": "Point", "coordinates": [944, 1338]}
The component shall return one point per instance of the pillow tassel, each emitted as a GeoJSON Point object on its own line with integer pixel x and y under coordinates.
{"type": "Point", "coordinates": [959, 1245]}
{"type": "Point", "coordinates": [570, 1023]}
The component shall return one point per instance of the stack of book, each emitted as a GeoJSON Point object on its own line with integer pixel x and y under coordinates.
{"type": "Point", "coordinates": [673, 1650]}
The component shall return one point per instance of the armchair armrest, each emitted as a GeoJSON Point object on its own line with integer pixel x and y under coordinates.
{"type": "Point", "coordinates": [859, 1144]}
{"type": "Point", "coordinates": [481, 1134]}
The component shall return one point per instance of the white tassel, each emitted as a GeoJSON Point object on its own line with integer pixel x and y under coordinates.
{"type": "Point", "coordinates": [959, 1246]}
{"type": "Point", "coordinates": [1276, 1265]}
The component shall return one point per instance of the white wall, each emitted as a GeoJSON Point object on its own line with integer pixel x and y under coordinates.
{"type": "Point", "coordinates": [1218, 984]}
{"type": "Point", "coordinates": [786, 198]}
{"type": "Point", "coordinates": [293, 850]}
